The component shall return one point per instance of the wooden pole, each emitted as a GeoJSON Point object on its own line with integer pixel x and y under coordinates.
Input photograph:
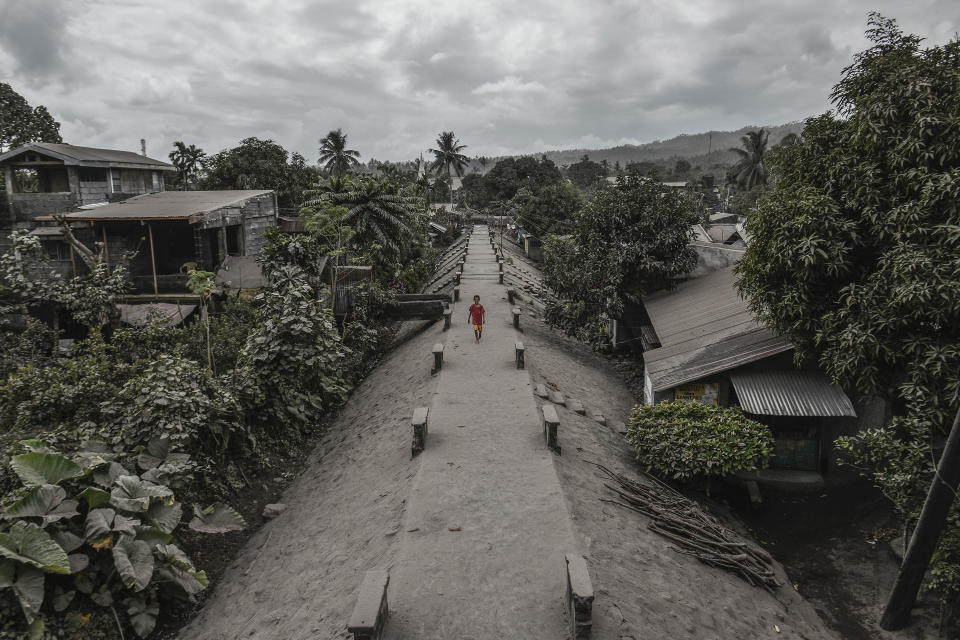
{"type": "Point", "coordinates": [940, 498]}
{"type": "Point", "coordinates": [106, 252]}
{"type": "Point", "coordinates": [153, 261]}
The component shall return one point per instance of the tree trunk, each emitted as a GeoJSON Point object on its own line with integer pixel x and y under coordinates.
{"type": "Point", "coordinates": [924, 540]}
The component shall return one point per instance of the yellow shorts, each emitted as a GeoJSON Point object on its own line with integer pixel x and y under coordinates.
{"type": "Point", "coordinates": [478, 327]}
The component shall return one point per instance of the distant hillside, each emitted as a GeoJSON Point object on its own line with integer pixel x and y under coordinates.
{"type": "Point", "coordinates": [691, 147]}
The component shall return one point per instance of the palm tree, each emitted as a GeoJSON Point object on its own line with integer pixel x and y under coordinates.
{"type": "Point", "coordinates": [379, 210]}
{"type": "Point", "coordinates": [447, 156]}
{"type": "Point", "coordinates": [188, 162]}
{"type": "Point", "coordinates": [750, 170]}
{"type": "Point", "coordinates": [334, 155]}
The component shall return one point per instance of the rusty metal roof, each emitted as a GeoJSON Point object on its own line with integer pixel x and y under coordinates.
{"type": "Point", "coordinates": [704, 328]}
{"type": "Point", "coordinates": [90, 156]}
{"type": "Point", "coordinates": [167, 205]}
{"type": "Point", "coordinates": [790, 393]}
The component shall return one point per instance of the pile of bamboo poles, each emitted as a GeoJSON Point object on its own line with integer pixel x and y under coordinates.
{"type": "Point", "coordinates": [695, 532]}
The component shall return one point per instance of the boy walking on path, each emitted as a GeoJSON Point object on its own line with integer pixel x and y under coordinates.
{"type": "Point", "coordinates": [477, 317]}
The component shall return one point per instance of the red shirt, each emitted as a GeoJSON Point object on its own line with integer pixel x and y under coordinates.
{"type": "Point", "coordinates": [476, 313]}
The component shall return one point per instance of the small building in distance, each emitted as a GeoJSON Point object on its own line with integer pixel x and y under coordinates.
{"type": "Point", "coordinates": [44, 178]}
{"type": "Point", "coordinates": [172, 232]}
{"type": "Point", "coordinates": [710, 349]}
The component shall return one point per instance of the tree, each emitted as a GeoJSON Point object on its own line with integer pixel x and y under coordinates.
{"type": "Point", "coordinates": [682, 167]}
{"type": "Point", "coordinates": [512, 174]}
{"type": "Point", "coordinates": [751, 170]}
{"type": "Point", "coordinates": [254, 164]}
{"type": "Point", "coordinates": [334, 155]}
{"type": "Point", "coordinates": [188, 162]}
{"type": "Point", "coordinates": [853, 257]}
{"type": "Point", "coordinates": [21, 124]}
{"type": "Point", "coordinates": [627, 242]}
{"type": "Point", "coordinates": [552, 210]}
{"type": "Point", "coordinates": [379, 211]}
{"type": "Point", "coordinates": [586, 173]}
{"type": "Point", "coordinates": [447, 157]}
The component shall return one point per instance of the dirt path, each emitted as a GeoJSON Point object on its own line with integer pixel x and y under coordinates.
{"type": "Point", "coordinates": [486, 528]}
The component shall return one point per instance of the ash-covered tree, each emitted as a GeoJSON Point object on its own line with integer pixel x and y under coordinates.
{"type": "Point", "coordinates": [334, 155]}
{"type": "Point", "coordinates": [510, 175]}
{"type": "Point", "coordinates": [854, 256]}
{"type": "Point", "coordinates": [20, 123]}
{"type": "Point", "coordinates": [627, 242]}
{"type": "Point", "coordinates": [751, 167]}
{"type": "Point", "coordinates": [189, 163]}
{"type": "Point", "coordinates": [260, 164]}
{"type": "Point", "coordinates": [586, 173]}
{"type": "Point", "coordinates": [552, 210]}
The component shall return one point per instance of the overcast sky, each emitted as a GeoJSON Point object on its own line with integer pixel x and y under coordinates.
{"type": "Point", "coordinates": [509, 77]}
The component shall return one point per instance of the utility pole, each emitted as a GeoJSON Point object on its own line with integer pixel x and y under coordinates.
{"type": "Point", "coordinates": [923, 542]}
{"type": "Point", "coordinates": [501, 227]}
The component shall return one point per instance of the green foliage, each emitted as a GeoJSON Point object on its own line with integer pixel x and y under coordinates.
{"type": "Point", "coordinates": [586, 173]}
{"type": "Point", "coordinates": [683, 441]}
{"type": "Point", "coordinates": [21, 124]}
{"type": "Point", "coordinates": [510, 175]}
{"type": "Point", "coordinates": [853, 255]}
{"type": "Point", "coordinates": [751, 168]}
{"type": "Point", "coordinates": [189, 162]}
{"type": "Point", "coordinates": [552, 210]}
{"type": "Point", "coordinates": [34, 346]}
{"type": "Point", "coordinates": [743, 203]}
{"type": "Point", "coordinates": [627, 242]}
{"type": "Point", "coordinates": [260, 164]}
{"type": "Point", "coordinates": [335, 158]}
{"type": "Point", "coordinates": [447, 158]}
{"type": "Point", "coordinates": [292, 359]}
{"type": "Point", "coordinates": [113, 544]}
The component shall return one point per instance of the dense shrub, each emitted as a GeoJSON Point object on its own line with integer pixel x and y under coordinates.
{"type": "Point", "coordinates": [682, 441]}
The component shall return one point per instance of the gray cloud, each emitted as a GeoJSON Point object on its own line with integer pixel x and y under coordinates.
{"type": "Point", "coordinates": [507, 77]}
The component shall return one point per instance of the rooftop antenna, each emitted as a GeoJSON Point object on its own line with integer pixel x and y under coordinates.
{"type": "Point", "coordinates": [143, 147]}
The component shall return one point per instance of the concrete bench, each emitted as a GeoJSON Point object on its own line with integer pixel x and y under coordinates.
{"type": "Point", "coordinates": [557, 398]}
{"type": "Point", "coordinates": [447, 314]}
{"type": "Point", "coordinates": [456, 293]}
{"type": "Point", "coordinates": [500, 280]}
{"type": "Point", "coordinates": [579, 597]}
{"type": "Point", "coordinates": [550, 424]}
{"type": "Point", "coordinates": [419, 424]}
{"type": "Point", "coordinates": [576, 406]}
{"type": "Point", "coordinates": [437, 357]}
{"type": "Point", "coordinates": [370, 613]}
{"type": "Point", "coordinates": [518, 350]}
{"type": "Point", "coordinates": [456, 278]}
{"type": "Point", "coordinates": [541, 390]}
{"type": "Point", "coordinates": [516, 312]}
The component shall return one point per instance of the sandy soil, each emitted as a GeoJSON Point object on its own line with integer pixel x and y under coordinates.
{"type": "Point", "coordinates": [349, 511]}
{"type": "Point", "coordinates": [298, 576]}
{"type": "Point", "coordinates": [643, 588]}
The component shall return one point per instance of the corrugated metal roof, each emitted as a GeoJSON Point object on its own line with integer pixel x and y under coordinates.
{"type": "Point", "coordinates": [704, 328]}
{"type": "Point", "coordinates": [167, 205]}
{"type": "Point", "coordinates": [790, 393]}
{"type": "Point", "coordinates": [89, 156]}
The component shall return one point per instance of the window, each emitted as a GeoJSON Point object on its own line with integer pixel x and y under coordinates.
{"type": "Point", "coordinates": [117, 184]}
{"type": "Point", "coordinates": [156, 180]}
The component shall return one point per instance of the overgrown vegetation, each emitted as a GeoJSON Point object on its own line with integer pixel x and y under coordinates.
{"type": "Point", "coordinates": [853, 257]}
{"type": "Point", "coordinates": [688, 440]}
{"type": "Point", "coordinates": [627, 242]}
{"type": "Point", "coordinates": [102, 446]}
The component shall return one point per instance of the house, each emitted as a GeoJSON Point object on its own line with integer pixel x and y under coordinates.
{"type": "Point", "coordinates": [43, 178]}
{"type": "Point", "coordinates": [711, 350]}
{"type": "Point", "coordinates": [161, 236]}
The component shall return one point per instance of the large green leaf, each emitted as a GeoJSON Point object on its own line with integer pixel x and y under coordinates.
{"type": "Point", "coordinates": [130, 493]}
{"type": "Point", "coordinates": [31, 545]}
{"type": "Point", "coordinates": [95, 497]}
{"type": "Point", "coordinates": [133, 560]}
{"type": "Point", "coordinates": [101, 523]}
{"type": "Point", "coordinates": [152, 535]}
{"type": "Point", "coordinates": [106, 475]}
{"type": "Point", "coordinates": [143, 616]}
{"type": "Point", "coordinates": [157, 453]}
{"type": "Point", "coordinates": [8, 569]}
{"type": "Point", "coordinates": [44, 501]}
{"type": "Point", "coordinates": [70, 542]}
{"type": "Point", "coordinates": [217, 518]}
{"type": "Point", "coordinates": [29, 590]}
{"type": "Point", "coordinates": [165, 517]}
{"type": "Point", "coordinates": [37, 468]}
